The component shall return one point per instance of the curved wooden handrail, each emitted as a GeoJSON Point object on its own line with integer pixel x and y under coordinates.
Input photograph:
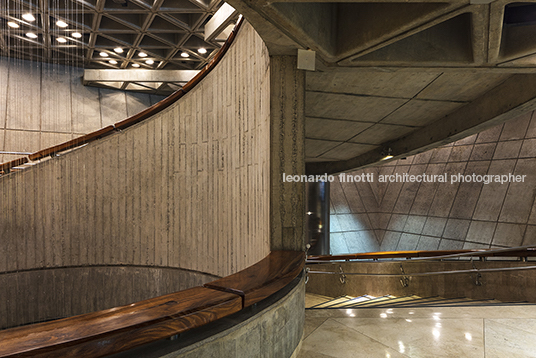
{"type": "Point", "coordinates": [118, 329]}
{"type": "Point", "coordinates": [123, 124]}
{"type": "Point", "coordinates": [514, 252]}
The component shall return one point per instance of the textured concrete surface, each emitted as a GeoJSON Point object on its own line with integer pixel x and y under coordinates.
{"type": "Point", "coordinates": [40, 295]}
{"type": "Point", "coordinates": [274, 332]}
{"type": "Point", "coordinates": [287, 209]}
{"type": "Point", "coordinates": [187, 188]}
{"type": "Point", "coordinates": [410, 75]}
{"type": "Point", "coordinates": [506, 286]}
{"type": "Point", "coordinates": [45, 104]}
{"type": "Point", "coordinates": [431, 216]}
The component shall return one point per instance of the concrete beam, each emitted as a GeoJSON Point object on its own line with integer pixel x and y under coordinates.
{"type": "Point", "coordinates": [220, 21]}
{"type": "Point", "coordinates": [138, 75]}
{"type": "Point", "coordinates": [515, 96]}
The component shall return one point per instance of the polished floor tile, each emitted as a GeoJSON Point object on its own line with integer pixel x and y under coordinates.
{"type": "Point", "coordinates": [483, 332]}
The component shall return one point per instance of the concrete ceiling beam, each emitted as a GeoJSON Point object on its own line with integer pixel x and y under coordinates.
{"type": "Point", "coordinates": [138, 76]}
{"type": "Point", "coordinates": [515, 96]}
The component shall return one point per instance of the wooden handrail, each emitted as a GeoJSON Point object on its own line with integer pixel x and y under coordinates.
{"type": "Point", "coordinates": [524, 252]}
{"type": "Point", "coordinates": [123, 124]}
{"type": "Point", "coordinates": [118, 329]}
{"type": "Point", "coordinates": [268, 275]}
{"type": "Point", "coordinates": [14, 163]}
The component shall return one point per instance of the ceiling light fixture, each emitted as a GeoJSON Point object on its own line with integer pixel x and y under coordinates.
{"type": "Point", "coordinates": [113, 62]}
{"type": "Point", "coordinates": [202, 50]}
{"type": "Point", "coordinates": [61, 23]}
{"type": "Point", "coordinates": [387, 154]}
{"type": "Point", "coordinates": [76, 35]}
{"type": "Point", "coordinates": [61, 39]}
{"type": "Point", "coordinates": [135, 65]}
{"type": "Point", "coordinates": [185, 54]}
{"type": "Point", "coordinates": [28, 17]}
{"type": "Point", "coordinates": [13, 24]}
{"type": "Point", "coordinates": [103, 54]}
{"type": "Point", "coordinates": [149, 62]}
{"type": "Point", "coordinates": [118, 50]}
{"type": "Point", "coordinates": [142, 54]}
{"type": "Point", "coordinates": [31, 35]}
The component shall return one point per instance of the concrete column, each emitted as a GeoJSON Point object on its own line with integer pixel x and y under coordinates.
{"type": "Point", "coordinates": [287, 155]}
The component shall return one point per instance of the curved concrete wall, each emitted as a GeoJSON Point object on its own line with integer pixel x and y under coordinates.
{"type": "Point", "coordinates": [46, 294]}
{"type": "Point", "coordinates": [43, 104]}
{"type": "Point", "coordinates": [187, 188]}
{"type": "Point", "coordinates": [431, 216]}
{"type": "Point", "coordinates": [273, 328]}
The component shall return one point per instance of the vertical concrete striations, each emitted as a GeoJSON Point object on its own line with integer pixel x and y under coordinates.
{"type": "Point", "coordinates": [187, 188]}
{"type": "Point", "coordinates": [287, 200]}
{"type": "Point", "coordinates": [44, 104]}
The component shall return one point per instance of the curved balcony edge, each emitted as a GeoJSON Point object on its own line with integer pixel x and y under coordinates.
{"type": "Point", "coordinates": [118, 329]}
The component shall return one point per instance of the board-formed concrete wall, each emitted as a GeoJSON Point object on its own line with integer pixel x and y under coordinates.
{"type": "Point", "coordinates": [187, 188]}
{"type": "Point", "coordinates": [43, 104]}
{"type": "Point", "coordinates": [68, 291]}
{"type": "Point", "coordinates": [430, 216]}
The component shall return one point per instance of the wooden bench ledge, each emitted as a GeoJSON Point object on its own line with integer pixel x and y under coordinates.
{"type": "Point", "coordinates": [117, 329]}
{"type": "Point", "coordinates": [264, 278]}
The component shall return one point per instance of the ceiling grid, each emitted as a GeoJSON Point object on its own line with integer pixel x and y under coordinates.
{"type": "Point", "coordinates": [111, 34]}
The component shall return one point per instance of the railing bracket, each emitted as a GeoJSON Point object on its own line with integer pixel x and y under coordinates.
{"type": "Point", "coordinates": [307, 275]}
{"type": "Point", "coordinates": [342, 276]}
{"type": "Point", "coordinates": [404, 281]}
{"type": "Point", "coordinates": [478, 275]}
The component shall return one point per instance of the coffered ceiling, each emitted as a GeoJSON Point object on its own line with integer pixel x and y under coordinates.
{"type": "Point", "coordinates": [111, 34]}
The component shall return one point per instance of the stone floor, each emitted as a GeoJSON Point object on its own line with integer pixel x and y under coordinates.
{"type": "Point", "coordinates": [490, 332]}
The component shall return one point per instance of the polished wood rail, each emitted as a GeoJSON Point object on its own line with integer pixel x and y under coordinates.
{"type": "Point", "coordinates": [121, 125]}
{"type": "Point", "coordinates": [511, 252]}
{"type": "Point", "coordinates": [268, 275]}
{"type": "Point", "coordinates": [118, 329]}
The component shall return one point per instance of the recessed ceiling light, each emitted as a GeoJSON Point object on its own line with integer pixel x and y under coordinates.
{"type": "Point", "coordinates": [185, 54]}
{"type": "Point", "coordinates": [135, 65]}
{"type": "Point", "coordinates": [202, 50]}
{"type": "Point", "coordinates": [61, 23]}
{"type": "Point", "coordinates": [118, 50]}
{"type": "Point", "coordinates": [28, 17]}
{"type": "Point", "coordinates": [76, 35]}
{"type": "Point", "coordinates": [113, 62]}
{"type": "Point", "coordinates": [149, 62]}
{"type": "Point", "coordinates": [61, 39]}
{"type": "Point", "coordinates": [103, 54]}
{"type": "Point", "coordinates": [31, 35]}
{"type": "Point", "coordinates": [13, 24]}
{"type": "Point", "coordinates": [142, 54]}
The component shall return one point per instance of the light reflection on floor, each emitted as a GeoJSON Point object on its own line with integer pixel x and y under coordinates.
{"type": "Point", "coordinates": [490, 332]}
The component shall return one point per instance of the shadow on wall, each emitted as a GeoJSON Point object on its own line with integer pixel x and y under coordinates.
{"type": "Point", "coordinates": [404, 215]}
{"type": "Point", "coordinates": [43, 104]}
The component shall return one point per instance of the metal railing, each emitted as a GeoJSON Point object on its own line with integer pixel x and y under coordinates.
{"type": "Point", "coordinates": [521, 252]}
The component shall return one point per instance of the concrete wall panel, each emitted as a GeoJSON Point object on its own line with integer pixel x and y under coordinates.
{"type": "Point", "coordinates": [445, 215]}
{"type": "Point", "coordinates": [187, 188]}
{"type": "Point", "coordinates": [50, 99]}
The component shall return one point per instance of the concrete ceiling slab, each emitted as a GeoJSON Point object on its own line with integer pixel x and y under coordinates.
{"type": "Point", "coordinates": [371, 82]}
{"type": "Point", "coordinates": [420, 112]}
{"type": "Point", "coordinates": [380, 133]}
{"type": "Point", "coordinates": [331, 129]}
{"type": "Point", "coordinates": [351, 107]}
{"type": "Point", "coordinates": [418, 64]}
{"type": "Point", "coordinates": [316, 147]}
{"type": "Point", "coordinates": [454, 86]}
{"type": "Point", "coordinates": [347, 150]}
{"type": "Point", "coordinates": [446, 42]}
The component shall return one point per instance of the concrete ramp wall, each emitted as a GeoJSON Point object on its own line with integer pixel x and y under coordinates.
{"type": "Point", "coordinates": [187, 188]}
